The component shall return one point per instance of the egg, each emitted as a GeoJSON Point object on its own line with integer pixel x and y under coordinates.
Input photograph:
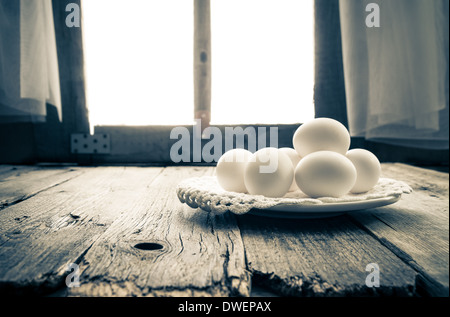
{"type": "Point", "coordinates": [321, 134]}
{"type": "Point", "coordinates": [230, 170]}
{"type": "Point", "coordinates": [368, 169]}
{"type": "Point", "coordinates": [295, 158]}
{"type": "Point", "coordinates": [269, 172]}
{"type": "Point", "coordinates": [325, 174]}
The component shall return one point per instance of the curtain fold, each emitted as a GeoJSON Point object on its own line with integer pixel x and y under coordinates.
{"type": "Point", "coordinates": [396, 75]}
{"type": "Point", "coordinates": [29, 76]}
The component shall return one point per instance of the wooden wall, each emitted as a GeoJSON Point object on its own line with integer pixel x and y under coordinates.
{"type": "Point", "coordinates": [151, 146]}
{"type": "Point", "coordinates": [329, 86]}
{"type": "Point", "coordinates": [26, 143]}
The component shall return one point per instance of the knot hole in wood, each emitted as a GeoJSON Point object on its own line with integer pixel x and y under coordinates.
{"type": "Point", "coordinates": [203, 57]}
{"type": "Point", "coordinates": [149, 246]}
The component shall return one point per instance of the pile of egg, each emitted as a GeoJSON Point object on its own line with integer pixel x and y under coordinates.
{"type": "Point", "coordinates": [320, 165]}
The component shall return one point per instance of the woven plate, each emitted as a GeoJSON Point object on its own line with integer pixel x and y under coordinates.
{"type": "Point", "coordinates": [206, 193]}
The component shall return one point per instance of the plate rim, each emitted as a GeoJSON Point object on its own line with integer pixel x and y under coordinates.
{"type": "Point", "coordinates": [328, 207]}
{"type": "Point", "coordinates": [289, 208]}
{"type": "Point", "coordinates": [273, 212]}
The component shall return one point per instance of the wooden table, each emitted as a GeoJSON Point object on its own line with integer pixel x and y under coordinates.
{"type": "Point", "coordinates": [97, 217]}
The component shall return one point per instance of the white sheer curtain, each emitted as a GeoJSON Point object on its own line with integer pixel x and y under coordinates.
{"type": "Point", "coordinates": [29, 76]}
{"type": "Point", "coordinates": [396, 75]}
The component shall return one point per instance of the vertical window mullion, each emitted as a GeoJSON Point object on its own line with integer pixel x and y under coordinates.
{"type": "Point", "coordinates": [202, 61]}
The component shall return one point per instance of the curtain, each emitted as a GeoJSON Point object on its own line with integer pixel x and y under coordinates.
{"type": "Point", "coordinates": [396, 75]}
{"type": "Point", "coordinates": [29, 77]}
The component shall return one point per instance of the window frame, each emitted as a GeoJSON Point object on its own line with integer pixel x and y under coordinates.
{"type": "Point", "coordinates": [150, 145]}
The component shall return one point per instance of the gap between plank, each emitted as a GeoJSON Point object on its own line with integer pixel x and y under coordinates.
{"type": "Point", "coordinates": [403, 256]}
{"type": "Point", "coordinates": [59, 275]}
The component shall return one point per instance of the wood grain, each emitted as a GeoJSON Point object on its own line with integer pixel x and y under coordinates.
{"type": "Point", "coordinates": [8, 170]}
{"type": "Point", "coordinates": [21, 182]}
{"type": "Point", "coordinates": [40, 236]}
{"type": "Point", "coordinates": [96, 217]}
{"type": "Point", "coordinates": [201, 255]}
{"type": "Point", "coordinates": [325, 257]}
{"type": "Point", "coordinates": [202, 61]}
{"type": "Point", "coordinates": [416, 228]}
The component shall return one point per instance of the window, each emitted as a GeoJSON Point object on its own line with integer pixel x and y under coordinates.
{"type": "Point", "coordinates": [262, 61]}
{"type": "Point", "coordinates": [139, 61]}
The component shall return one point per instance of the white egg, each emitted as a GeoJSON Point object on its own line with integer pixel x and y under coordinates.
{"type": "Point", "coordinates": [368, 169]}
{"type": "Point", "coordinates": [230, 170]}
{"type": "Point", "coordinates": [269, 172]}
{"type": "Point", "coordinates": [325, 174]}
{"type": "Point", "coordinates": [295, 158]}
{"type": "Point", "coordinates": [321, 134]}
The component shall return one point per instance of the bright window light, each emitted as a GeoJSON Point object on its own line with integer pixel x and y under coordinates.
{"type": "Point", "coordinates": [262, 61]}
{"type": "Point", "coordinates": [139, 56]}
{"type": "Point", "coordinates": [139, 61]}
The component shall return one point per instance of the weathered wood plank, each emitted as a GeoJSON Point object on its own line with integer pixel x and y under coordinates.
{"type": "Point", "coordinates": [96, 219]}
{"type": "Point", "coordinates": [200, 254]}
{"type": "Point", "coordinates": [19, 183]}
{"type": "Point", "coordinates": [417, 227]}
{"type": "Point", "coordinates": [7, 170]}
{"type": "Point", "coordinates": [40, 236]}
{"type": "Point", "coordinates": [326, 257]}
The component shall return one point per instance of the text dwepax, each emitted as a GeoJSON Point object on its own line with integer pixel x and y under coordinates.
{"type": "Point", "coordinates": [246, 306]}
